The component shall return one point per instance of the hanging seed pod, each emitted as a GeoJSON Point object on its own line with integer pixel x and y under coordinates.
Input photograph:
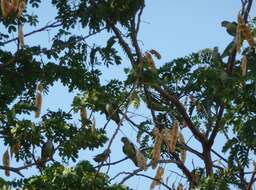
{"type": "Point", "coordinates": [174, 134]}
{"type": "Point", "coordinates": [38, 104]}
{"type": "Point", "coordinates": [93, 124]}
{"type": "Point", "coordinates": [167, 137]}
{"type": "Point", "coordinates": [150, 62]}
{"type": "Point", "coordinates": [83, 114]}
{"type": "Point", "coordinates": [21, 7]}
{"type": "Point", "coordinates": [238, 39]}
{"type": "Point", "coordinates": [245, 30]}
{"type": "Point", "coordinates": [5, 8]}
{"type": "Point", "coordinates": [158, 177]}
{"type": "Point", "coordinates": [155, 53]}
{"type": "Point", "coordinates": [15, 148]}
{"type": "Point", "coordinates": [141, 160]}
{"type": "Point", "coordinates": [243, 65]}
{"type": "Point", "coordinates": [21, 35]}
{"type": "Point", "coordinates": [6, 162]}
{"type": "Point", "coordinates": [38, 101]}
{"type": "Point", "coordinates": [15, 4]}
{"type": "Point", "coordinates": [183, 155]}
{"type": "Point", "coordinates": [157, 148]}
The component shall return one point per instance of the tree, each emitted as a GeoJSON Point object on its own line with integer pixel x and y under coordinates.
{"type": "Point", "coordinates": [206, 94]}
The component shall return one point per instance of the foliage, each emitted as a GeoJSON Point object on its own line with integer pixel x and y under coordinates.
{"type": "Point", "coordinates": [209, 93]}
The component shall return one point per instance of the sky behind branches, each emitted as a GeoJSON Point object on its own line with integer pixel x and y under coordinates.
{"type": "Point", "coordinates": [175, 28]}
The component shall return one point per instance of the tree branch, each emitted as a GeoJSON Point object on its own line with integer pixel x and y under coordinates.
{"type": "Point", "coordinates": [198, 135]}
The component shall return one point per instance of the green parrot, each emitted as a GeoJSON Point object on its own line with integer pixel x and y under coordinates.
{"type": "Point", "coordinates": [230, 27]}
{"type": "Point", "coordinates": [47, 150]}
{"type": "Point", "coordinates": [102, 157]}
{"type": "Point", "coordinates": [154, 104]}
{"type": "Point", "coordinates": [129, 150]}
{"type": "Point", "coordinates": [112, 112]}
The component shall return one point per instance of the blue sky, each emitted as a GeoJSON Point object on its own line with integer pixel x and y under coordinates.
{"type": "Point", "coordinates": [175, 28]}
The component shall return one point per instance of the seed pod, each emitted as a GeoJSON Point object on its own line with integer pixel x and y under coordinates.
{"type": "Point", "coordinates": [158, 177]}
{"type": "Point", "coordinates": [93, 124]}
{"type": "Point", "coordinates": [167, 137]}
{"type": "Point", "coordinates": [38, 101]}
{"type": "Point", "coordinates": [238, 39]}
{"type": "Point", "coordinates": [5, 8]}
{"type": "Point", "coordinates": [21, 7]}
{"type": "Point", "coordinates": [157, 148]}
{"type": "Point", "coordinates": [83, 114]}
{"type": "Point", "coordinates": [243, 65]}
{"type": "Point", "coordinates": [245, 30]}
{"type": "Point", "coordinates": [21, 35]}
{"type": "Point", "coordinates": [141, 160]}
{"type": "Point", "coordinates": [174, 134]}
{"type": "Point", "coordinates": [15, 148]}
{"type": "Point", "coordinates": [183, 155]}
{"type": "Point", "coordinates": [38, 104]}
{"type": "Point", "coordinates": [6, 162]}
{"type": "Point", "coordinates": [15, 4]}
{"type": "Point", "coordinates": [155, 53]}
{"type": "Point", "coordinates": [150, 62]}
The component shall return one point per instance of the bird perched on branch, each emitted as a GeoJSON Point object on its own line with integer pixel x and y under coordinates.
{"type": "Point", "coordinates": [129, 150]}
{"type": "Point", "coordinates": [230, 27]}
{"type": "Point", "coordinates": [112, 112]}
{"type": "Point", "coordinates": [47, 151]}
{"type": "Point", "coordinates": [103, 156]}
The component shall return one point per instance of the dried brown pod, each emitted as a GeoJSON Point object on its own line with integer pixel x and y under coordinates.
{"type": "Point", "coordinates": [238, 39]}
{"type": "Point", "coordinates": [158, 177]}
{"type": "Point", "coordinates": [38, 104]}
{"type": "Point", "coordinates": [21, 7]}
{"type": "Point", "coordinates": [167, 137]}
{"type": "Point", "coordinates": [155, 53]}
{"type": "Point", "coordinates": [15, 4]}
{"type": "Point", "coordinates": [183, 155]}
{"type": "Point", "coordinates": [141, 160]}
{"type": "Point", "coordinates": [6, 162]}
{"type": "Point", "coordinates": [245, 30]}
{"type": "Point", "coordinates": [243, 65]}
{"type": "Point", "coordinates": [174, 134]}
{"type": "Point", "coordinates": [21, 35]}
{"type": "Point", "coordinates": [15, 148]}
{"type": "Point", "coordinates": [6, 8]}
{"type": "Point", "coordinates": [157, 148]}
{"type": "Point", "coordinates": [150, 61]}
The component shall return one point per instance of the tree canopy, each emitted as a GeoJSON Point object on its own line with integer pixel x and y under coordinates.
{"type": "Point", "coordinates": [200, 96]}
